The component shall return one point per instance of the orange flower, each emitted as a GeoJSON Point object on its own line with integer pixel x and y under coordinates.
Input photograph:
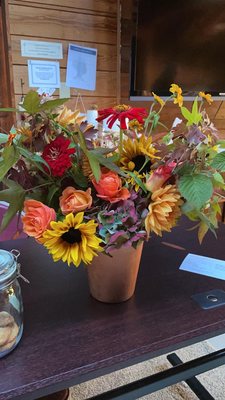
{"type": "Point", "coordinates": [37, 218]}
{"type": "Point", "coordinates": [74, 201]}
{"type": "Point", "coordinates": [110, 188]}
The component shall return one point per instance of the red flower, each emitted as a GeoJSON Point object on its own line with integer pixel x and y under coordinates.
{"type": "Point", "coordinates": [120, 113]}
{"type": "Point", "coordinates": [57, 155]}
{"type": "Point", "coordinates": [160, 176]}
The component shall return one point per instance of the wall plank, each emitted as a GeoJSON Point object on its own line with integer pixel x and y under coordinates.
{"type": "Point", "coordinates": [106, 59]}
{"type": "Point", "coordinates": [37, 22]}
{"type": "Point", "coordinates": [99, 6]}
{"type": "Point", "coordinates": [105, 82]}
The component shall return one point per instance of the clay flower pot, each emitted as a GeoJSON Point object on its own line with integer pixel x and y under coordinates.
{"type": "Point", "coordinates": [113, 279]}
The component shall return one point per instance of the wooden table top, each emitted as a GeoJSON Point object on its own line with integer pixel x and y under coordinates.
{"type": "Point", "coordinates": [69, 337]}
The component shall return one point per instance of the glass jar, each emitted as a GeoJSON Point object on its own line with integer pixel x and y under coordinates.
{"type": "Point", "coordinates": [11, 306]}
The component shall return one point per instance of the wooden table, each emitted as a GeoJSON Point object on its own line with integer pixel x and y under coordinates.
{"type": "Point", "coordinates": [69, 337]}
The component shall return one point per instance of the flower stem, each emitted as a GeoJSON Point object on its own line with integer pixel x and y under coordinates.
{"type": "Point", "coordinates": [121, 141]}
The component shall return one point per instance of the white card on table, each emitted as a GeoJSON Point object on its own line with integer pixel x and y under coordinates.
{"type": "Point", "coordinates": [204, 266]}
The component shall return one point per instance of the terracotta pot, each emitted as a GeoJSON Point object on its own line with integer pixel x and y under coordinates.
{"type": "Point", "coordinates": [113, 279]}
{"type": "Point", "coordinates": [62, 395]}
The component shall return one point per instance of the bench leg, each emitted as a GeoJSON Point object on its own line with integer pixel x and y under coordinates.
{"type": "Point", "coordinates": [62, 395]}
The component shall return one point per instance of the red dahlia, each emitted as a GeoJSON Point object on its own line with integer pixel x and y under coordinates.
{"type": "Point", "coordinates": [57, 155]}
{"type": "Point", "coordinates": [120, 113]}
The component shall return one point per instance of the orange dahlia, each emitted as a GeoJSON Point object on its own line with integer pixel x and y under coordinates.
{"type": "Point", "coordinates": [164, 210]}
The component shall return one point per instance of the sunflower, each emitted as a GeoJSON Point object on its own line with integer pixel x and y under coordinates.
{"type": "Point", "coordinates": [72, 240]}
{"type": "Point", "coordinates": [164, 210]}
{"type": "Point", "coordinates": [133, 157]}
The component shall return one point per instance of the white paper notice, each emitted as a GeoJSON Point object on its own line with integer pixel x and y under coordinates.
{"type": "Point", "coordinates": [32, 48]}
{"type": "Point", "coordinates": [64, 91]}
{"type": "Point", "coordinates": [44, 74]}
{"type": "Point", "coordinates": [204, 266]}
{"type": "Point", "coordinates": [81, 67]}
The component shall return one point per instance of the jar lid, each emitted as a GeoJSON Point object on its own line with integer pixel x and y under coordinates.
{"type": "Point", "coordinates": [8, 267]}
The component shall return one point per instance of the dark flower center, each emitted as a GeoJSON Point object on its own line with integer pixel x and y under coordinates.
{"type": "Point", "coordinates": [139, 162]}
{"type": "Point", "coordinates": [72, 236]}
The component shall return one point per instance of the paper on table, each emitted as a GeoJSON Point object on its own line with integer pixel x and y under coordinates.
{"type": "Point", "coordinates": [204, 266]}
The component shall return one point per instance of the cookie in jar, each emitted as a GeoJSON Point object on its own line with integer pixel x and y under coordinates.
{"type": "Point", "coordinates": [11, 305]}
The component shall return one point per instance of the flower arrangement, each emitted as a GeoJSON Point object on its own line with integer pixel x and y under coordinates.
{"type": "Point", "coordinates": [82, 192]}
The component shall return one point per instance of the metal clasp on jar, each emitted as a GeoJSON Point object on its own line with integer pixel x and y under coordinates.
{"type": "Point", "coordinates": [16, 255]}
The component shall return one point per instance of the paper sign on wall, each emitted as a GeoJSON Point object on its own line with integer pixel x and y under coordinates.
{"type": "Point", "coordinates": [81, 67]}
{"type": "Point", "coordinates": [32, 48]}
{"type": "Point", "coordinates": [44, 74]}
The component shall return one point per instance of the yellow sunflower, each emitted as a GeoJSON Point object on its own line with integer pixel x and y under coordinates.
{"type": "Point", "coordinates": [72, 240]}
{"type": "Point", "coordinates": [133, 157]}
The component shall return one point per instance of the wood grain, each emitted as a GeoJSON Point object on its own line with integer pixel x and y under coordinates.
{"type": "Point", "coordinates": [106, 59]}
{"type": "Point", "coordinates": [98, 6]}
{"type": "Point", "coordinates": [105, 82]}
{"type": "Point", "coordinates": [101, 102]}
{"type": "Point", "coordinates": [69, 337]}
{"type": "Point", "coordinates": [30, 21]}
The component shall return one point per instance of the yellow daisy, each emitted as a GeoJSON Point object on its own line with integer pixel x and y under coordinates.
{"type": "Point", "coordinates": [72, 240]}
{"type": "Point", "coordinates": [134, 154]}
{"type": "Point", "coordinates": [174, 88]}
{"type": "Point", "coordinates": [135, 125]}
{"type": "Point", "coordinates": [178, 100]}
{"type": "Point", "coordinates": [158, 99]}
{"type": "Point", "coordinates": [207, 97]}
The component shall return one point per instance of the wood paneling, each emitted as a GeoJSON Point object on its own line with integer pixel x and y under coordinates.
{"type": "Point", "coordinates": [6, 100]}
{"type": "Point", "coordinates": [31, 21]}
{"type": "Point", "coordinates": [98, 6]}
{"type": "Point", "coordinates": [106, 60]}
{"type": "Point", "coordinates": [105, 82]}
{"type": "Point", "coordinates": [84, 22]}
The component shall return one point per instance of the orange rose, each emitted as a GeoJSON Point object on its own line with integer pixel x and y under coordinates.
{"type": "Point", "coordinates": [109, 187]}
{"type": "Point", "coordinates": [73, 200]}
{"type": "Point", "coordinates": [37, 218]}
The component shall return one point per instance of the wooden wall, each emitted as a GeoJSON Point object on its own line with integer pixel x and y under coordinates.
{"type": "Point", "coordinates": [84, 22]}
{"type": "Point", "coordinates": [216, 111]}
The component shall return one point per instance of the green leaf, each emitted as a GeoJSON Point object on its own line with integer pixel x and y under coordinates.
{"type": "Point", "coordinates": [51, 104]}
{"type": "Point", "coordinates": [218, 180]}
{"type": "Point", "coordinates": [95, 166]}
{"type": "Point", "coordinates": [35, 158]}
{"type": "Point", "coordinates": [196, 189]}
{"type": "Point", "coordinates": [109, 163]}
{"type": "Point", "coordinates": [219, 162]}
{"type": "Point", "coordinates": [15, 196]}
{"type": "Point", "coordinates": [3, 138]}
{"type": "Point", "coordinates": [51, 192]}
{"type": "Point", "coordinates": [31, 103]}
{"type": "Point", "coordinates": [138, 181]}
{"type": "Point", "coordinates": [10, 156]}
{"type": "Point", "coordinates": [193, 117]}
{"type": "Point", "coordinates": [9, 109]}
